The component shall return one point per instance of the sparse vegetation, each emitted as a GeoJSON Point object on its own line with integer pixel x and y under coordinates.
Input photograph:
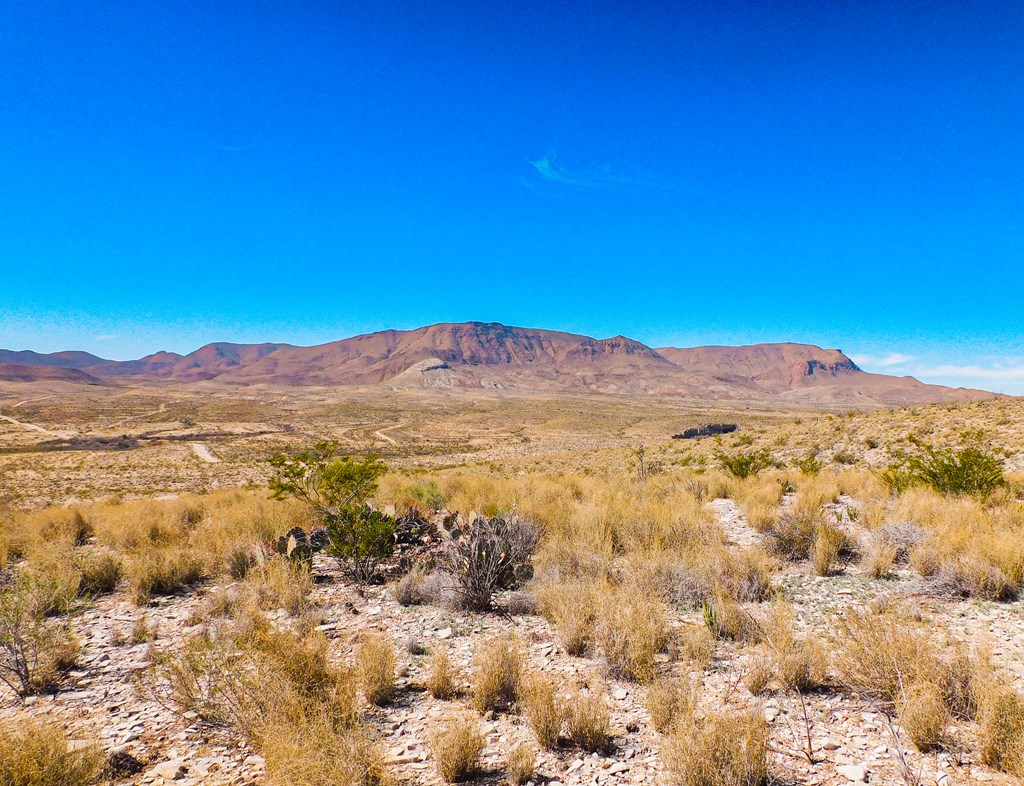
{"type": "Point", "coordinates": [36, 754]}
{"type": "Point", "coordinates": [457, 747]}
{"type": "Point", "coordinates": [497, 669]}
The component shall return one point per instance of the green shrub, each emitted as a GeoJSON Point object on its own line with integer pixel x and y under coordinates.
{"type": "Point", "coordinates": [964, 471]}
{"type": "Point", "coordinates": [744, 465]}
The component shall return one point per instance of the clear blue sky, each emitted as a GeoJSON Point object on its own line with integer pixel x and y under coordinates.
{"type": "Point", "coordinates": [849, 174]}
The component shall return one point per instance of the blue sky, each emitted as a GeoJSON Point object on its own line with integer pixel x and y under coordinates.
{"type": "Point", "coordinates": [846, 174]}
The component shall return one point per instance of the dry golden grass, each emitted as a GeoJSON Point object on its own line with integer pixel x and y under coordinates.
{"type": "Point", "coordinates": [375, 669]}
{"type": "Point", "coordinates": [571, 607]}
{"type": "Point", "coordinates": [1001, 728]}
{"type": "Point", "coordinates": [497, 669]}
{"type": "Point", "coordinates": [718, 748]}
{"type": "Point", "coordinates": [924, 715]}
{"type": "Point", "coordinates": [669, 698]}
{"type": "Point", "coordinates": [588, 720]}
{"type": "Point", "coordinates": [37, 754]}
{"type": "Point", "coordinates": [443, 679]}
{"type": "Point", "coordinates": [631, 630]}
{"type": "Point", "coordinates": [521, 764]}
{"type": "Point", "coordinates": [542, 708]}
{"type": "Point", "coordinates": [457, 747]}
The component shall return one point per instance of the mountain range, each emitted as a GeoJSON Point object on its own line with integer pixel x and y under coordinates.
{"type": "Point", "coordinates": [495, 356]}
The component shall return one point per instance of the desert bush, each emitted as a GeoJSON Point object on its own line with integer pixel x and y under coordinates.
{"type": "Point", "coordinates": [36, 754]}
{"type": "Point", "coordinates": [800, 662]}
{"type": "Point", "coordinates": [965, 471]}
{"type": "Point", "coordinates": [696, 645]}
{"type": "Point", "coordinates": [572, 608]}
{"type": "Point", "coordinates": [725, 618]}
{"type": "Point", "coordinates": [668, 699]}
{"type": "Point", "coordinates": [488, 555]}
{"type": "Point", "coordinates": [375, 669]}
{"type": "Point", "coordinates": [497, 668]}
{"type": "Point", "coordinates": [631, 630]}
{"type": "Point", "coordinates": [521, 764]}
{"type": "Point", "coordinates": [315, 751]}
{"type": "Point", "coordinates": [100, 572]}
{"type": "Point", "coordinates": [335, 488]}
{"type": "Point", "coordinates": [280, 583]}
{"type": "Point", "coordinates": [443, 679]}
{"type": "Point", "coordinates": [744, 464]}
{"type": "Point", "coordinates": [588, 721]}
{"type": "Point", "coordinates": [809, 464]}
{"type": "Point", "coordinates": [34, 653]}
{"type": "Point", "coordinates": [829, 544]}
{"type": "Point", "coordinates": [924, 715]}
{"type": "Point", "coordinates": [1001, 728]}
{"type": "Point", "coordinates": [794, 534]}
{"type": "Point", "coordinates": [543, 709]}
{"type": "Point", "coordinates": [880, 560]}
{"type": "Point", "coordinates": [759, 675]}
{"type": "Point", "coordinates": [408, 590]}
{"type": "Point", "coordinates": [718, 748]}
{"type": "Point", "coordinates": [457, 747]}
{"type": "Point", "coordinates": [163, 571]}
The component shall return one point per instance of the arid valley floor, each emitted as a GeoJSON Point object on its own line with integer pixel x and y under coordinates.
{"type": "Point", "coordinates": [818, 617]}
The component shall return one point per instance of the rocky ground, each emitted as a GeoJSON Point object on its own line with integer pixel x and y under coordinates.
{"type": "Point", "coordinates": [849, 740]}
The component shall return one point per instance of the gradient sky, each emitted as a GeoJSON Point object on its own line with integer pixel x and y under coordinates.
{"type": "Point", "coordinates": [849, 174]}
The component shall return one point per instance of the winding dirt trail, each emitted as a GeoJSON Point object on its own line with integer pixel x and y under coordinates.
{"type": "Point", "coordinates": [34, 427]}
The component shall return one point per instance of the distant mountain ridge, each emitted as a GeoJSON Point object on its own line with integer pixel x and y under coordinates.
{"type": "Point", "coordinates": [497, 356]}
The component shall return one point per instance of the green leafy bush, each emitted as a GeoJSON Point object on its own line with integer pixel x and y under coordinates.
{"type": "Point", "coordinates": [744, 465]}
{"type": "Point", "coordinates": [964, 471]}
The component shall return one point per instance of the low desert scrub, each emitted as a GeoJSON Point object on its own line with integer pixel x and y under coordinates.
{"type": "Point", "coordinates": [631, 630]}
{"type": "Point", "coordinates": [489, 555]}
{"type": "Point", "coordinates": [880, 560]}
{"type": "Point", "coordinates": [375, 669]}
{"type": "Point", "coordinates": [457, 747]}
{"type": "Point", "coordinates": [443, 679]}
{"type": "Point", "coordinates": [718, 748]}
{"type": "Point", "coordinates": [744, 465]}
{"type": "Point", "coordinates": [280, 583]}
{"type": "Point", "coordinates": [829, 544]}
{"type": "Point", "coordinates": [34, 754]}
{"type": "Point", "coordinates": [163, 572]}
{"type": "Point", "coordinates": [969, 470]}
{"type": "Point", "coordinates": [799, 663]}
{"type": "Point", "coordinates": [725, 618]}
{"type": "Point", "coordinates": [696, 645]}
{"type": "Point", "coordinates": [588, 721]}
{"type": "Point", "coordinates": [1001, 728]}
{"type": "Point", "coordinates": [521, 764]}
{"type": "Point", "coordinates": [924, 715]}
{"type": "Point", "coordinates": [571, 607]}
{"type": "Point", "coordinates": [497, 668]}
{"type": "Point", "coordinates": [543, 708]}
{"type": "Point", "coordinates": [34, 652]}
{"type": "Point", "coordinates": [669, 698]}
{"type": "Point", "coordinates": [279, 693]}
{"type": "Point", "coordinates": [100, 571]}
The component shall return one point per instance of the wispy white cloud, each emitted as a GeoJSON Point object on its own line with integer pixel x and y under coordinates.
{"type": "Point", "coordinates": [105, 337]}
{"type": "Point", "coordinates": [1012, 371]}
{"type": "Point", "coordinates": [549, 170]}
{"type": "Point", "coordinates": [885, 361]}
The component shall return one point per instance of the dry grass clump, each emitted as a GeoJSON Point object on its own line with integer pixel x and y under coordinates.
{"type": "Point", "coordinates": [725, 618]}
{"type": "Point", "coordinates": [829, 545]}
{"type": "Point", "coordinates": [588, 721]}
{"type": "Point", "coordinates": [278, 692]}
{"type": "Point", "coordinates": [800, 662]}
{"type": "Point", "coordinates": [631, 631]}
{"type": "Point", "coordinates": [669, 698]}
{"type": "Point", "coordinates": [35, 653]}
{"type": "Point", "coordinates": [36, 754]}
{"type": "Point", "coordinates": [100, 572]}
{"type": "Point", "coordinates": [163, 572]}
{"type": "Point", "coordinates": [521, 764]}
{"type": "Point", "coordinates": [280, 583]}
{"type": "Point", "coordinates": [443, 679]}
{"type": "Point", "coordinates": [571, 607]}
{"type": "Point", "coordinates": [718, 748]}
{"type": "Point", "coordinates": [375, 669]}
{"type": "Point", "coordinates": [696, 645]}
{"type": "Point", "coordinates": [1001, 728]}
{"type": "Point", "coordinates": [925, 715]}
{"type": "Point", "coordinates": [880, 560]}
{"type": "Point", "coordinates": [497, 668]}
{"type": "Point", "coordinates": [544, 710]}
{"type": "Point", "coordinates": [457, 747]}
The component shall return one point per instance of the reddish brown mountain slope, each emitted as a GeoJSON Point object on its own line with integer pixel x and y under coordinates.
{"type": "Point", "coordinates": [492, 355]}
{"type": "Point", "coordinates": [12, 372]}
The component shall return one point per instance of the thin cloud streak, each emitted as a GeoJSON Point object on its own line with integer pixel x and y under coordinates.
{"type": "Point", "coordinates": [891, 359]}
{"type": "Point", "coordinates": [550, 171]}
